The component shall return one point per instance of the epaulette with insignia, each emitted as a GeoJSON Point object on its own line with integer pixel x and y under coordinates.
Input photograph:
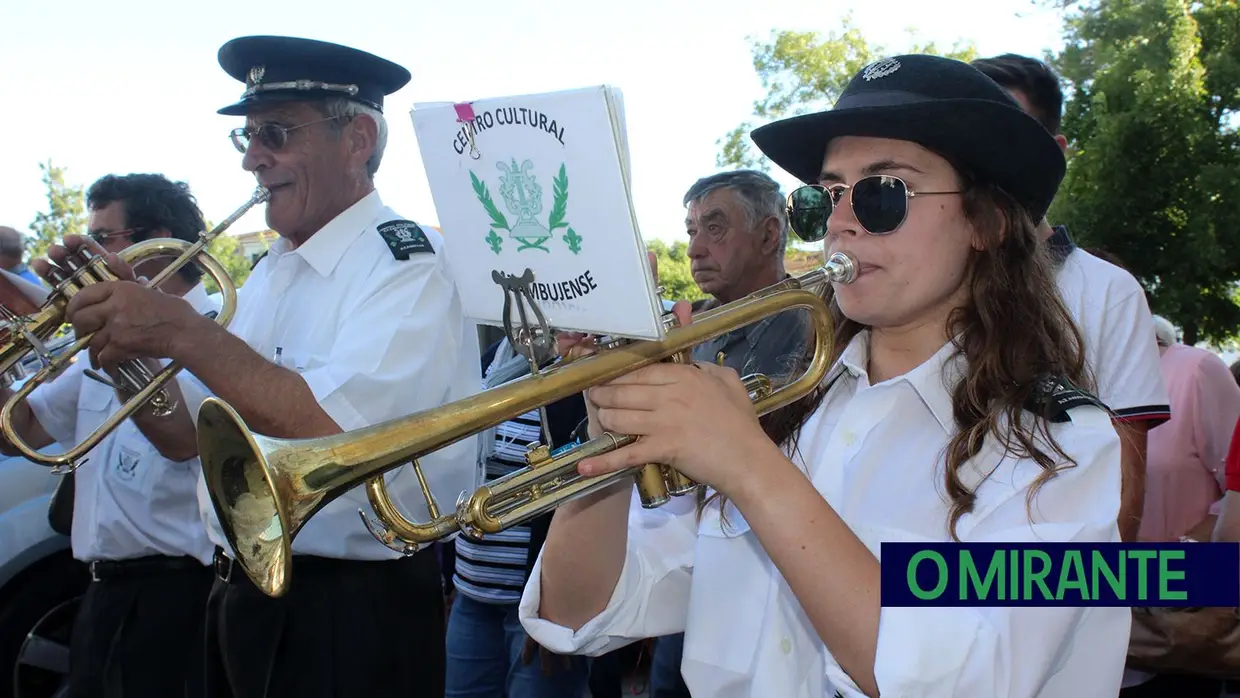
{"type": "Point", "coordinates": [404, 238]}
{"type": "Point", "coordinates": [1054, 397]}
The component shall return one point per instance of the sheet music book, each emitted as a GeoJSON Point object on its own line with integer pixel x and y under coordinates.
{"type": "Point", "coordinates": [542, 183]}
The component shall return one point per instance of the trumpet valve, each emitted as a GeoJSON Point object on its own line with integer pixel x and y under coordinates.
{"type": "Point", "coordinates": [537, 454]}
{"type": "Point", "coordinates": [652, 486]}
{"type": "Point", "coordinates": [678, 484]}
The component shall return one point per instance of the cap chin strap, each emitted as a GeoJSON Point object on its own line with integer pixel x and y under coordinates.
{"type": "Point", "coordinates": [301, 85]}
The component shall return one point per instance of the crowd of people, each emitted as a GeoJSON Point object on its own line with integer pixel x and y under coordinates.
{"type": "Point", "coordinates": [934, 423]}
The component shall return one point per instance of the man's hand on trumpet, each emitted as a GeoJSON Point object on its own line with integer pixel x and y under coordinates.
{"type": "Point", "coordinates": [128, 320]}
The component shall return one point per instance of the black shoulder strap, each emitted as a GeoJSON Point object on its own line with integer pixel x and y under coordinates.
{"type": "Point", "coordinates": [404, 238]}
{"type": "Point", "coordinates": [1060, 244]}
{"type": "Point", "coordinates": [1055, 396]}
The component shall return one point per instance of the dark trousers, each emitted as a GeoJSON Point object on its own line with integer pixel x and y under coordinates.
{"type": "Point", "coordinates": [345, 628]}
{"type": "Point", "coordinates": [665, 678]}
{"type": "Point", "coordinates": [607, 676]}
{"type": "Point", "coordinates": [139, 630]}
{"type": "Point", "coordinates": [1175, 686]}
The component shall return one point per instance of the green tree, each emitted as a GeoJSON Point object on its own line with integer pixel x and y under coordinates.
{"type": "Point", "coordinates": [66, 214]}
{"type": "Point", "coordinates": [804, 72]}
{"type": "Point", "coordinates": [675, 276]}
{"type": "Point", "coordinates": [1154, 175]}
{"type": "Point", "coordinates": [227, 251]}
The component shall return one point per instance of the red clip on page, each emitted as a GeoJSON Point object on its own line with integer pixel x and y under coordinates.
{"type": "Point", "coordinates": [465, 111]}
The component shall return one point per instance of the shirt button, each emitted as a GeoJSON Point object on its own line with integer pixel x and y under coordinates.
{"type": "Point", "coordinates": [849, 439]}
{"type": "Point", "coordinates": [786, 645]}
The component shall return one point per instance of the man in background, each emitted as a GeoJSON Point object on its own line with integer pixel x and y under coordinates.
{"type": "Point", "coordinates": [135, 520]}
{"type": "Point", "coordinates": [13, 254]}
{"type": "Point", "coordinates": [1106, 301]}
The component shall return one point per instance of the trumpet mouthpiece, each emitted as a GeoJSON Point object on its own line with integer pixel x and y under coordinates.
{"type": "Point", "coordinates": [841, 268]}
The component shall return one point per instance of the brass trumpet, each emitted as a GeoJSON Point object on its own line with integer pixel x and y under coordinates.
{"type": "Point", "coordinates": [264, 489]}
{"type": "Point", "coordinates": [28, 333]}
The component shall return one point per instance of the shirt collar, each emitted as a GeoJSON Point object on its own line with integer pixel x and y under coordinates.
{"type": "Point", "coordinates": [933, 380]}
{"type": "Point", "coordinates": [325, 248]}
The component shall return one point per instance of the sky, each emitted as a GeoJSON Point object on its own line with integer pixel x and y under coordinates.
{"type": "Point", "coordinates": [133, 85]}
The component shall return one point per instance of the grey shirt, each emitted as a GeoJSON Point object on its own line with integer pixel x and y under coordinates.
{"type": "Point", "coordinates": [772, 346]}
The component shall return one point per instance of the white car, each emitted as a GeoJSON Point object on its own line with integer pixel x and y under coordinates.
{"type": "Point", "coordinates": [40, 582]}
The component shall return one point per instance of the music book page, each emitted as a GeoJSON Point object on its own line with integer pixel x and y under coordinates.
{"type": "Point", "coordinates": [539, 185]}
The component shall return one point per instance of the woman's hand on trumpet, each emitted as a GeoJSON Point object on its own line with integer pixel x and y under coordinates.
{"type": "Point", "coordinates": [696, 418]}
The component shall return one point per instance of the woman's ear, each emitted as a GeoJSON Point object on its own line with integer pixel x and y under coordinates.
{"type": "Point", "coordinates": [993, 228]}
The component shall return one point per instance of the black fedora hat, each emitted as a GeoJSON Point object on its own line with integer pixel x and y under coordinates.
{"type": "Point", "coordinates": [290, 69]}
{"type": "Point", "coordinates": [945, 105]}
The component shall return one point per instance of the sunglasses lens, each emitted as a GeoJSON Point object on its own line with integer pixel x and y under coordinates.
{"type": "Point", "coordinates": [808, 210]}
{"type": "Point", "coordinates": [272, 136]}
{"type": "Point", "coordinates": [880, 203]}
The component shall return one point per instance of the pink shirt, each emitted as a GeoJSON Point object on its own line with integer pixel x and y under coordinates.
{"type": "Point", "coordinates": [1186, 455]}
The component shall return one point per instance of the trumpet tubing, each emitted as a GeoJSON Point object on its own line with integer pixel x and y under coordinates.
{"type": "Point", "coordinates": [264, 489]}
{"type": "Point", "coordinates": [27, 334]}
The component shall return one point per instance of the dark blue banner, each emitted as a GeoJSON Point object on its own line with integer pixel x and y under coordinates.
{"type": "Point", "coordinates": [1061, 574]}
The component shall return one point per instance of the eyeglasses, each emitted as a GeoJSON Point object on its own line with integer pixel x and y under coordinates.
{"type": "Point", "coordinates": [102, 237]}
{"type": "Point", "coordinates": [273, 136]}
{"type": "Point", "coordinates": [879, 202]}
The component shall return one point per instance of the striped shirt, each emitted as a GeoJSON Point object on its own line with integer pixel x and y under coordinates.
{"type": "Point", "coordinates": [492, 570]}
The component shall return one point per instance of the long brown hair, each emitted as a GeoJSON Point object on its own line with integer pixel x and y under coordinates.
{"type": "Point", "coordinates": [1013, 331]}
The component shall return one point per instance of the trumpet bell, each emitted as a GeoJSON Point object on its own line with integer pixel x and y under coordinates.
{"type": "Point", "coordinates": [248, 496]}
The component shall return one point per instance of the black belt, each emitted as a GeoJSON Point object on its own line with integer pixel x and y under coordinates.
{"type": "Point", "coordinates": [229, 570]}
{"type": "Point", "coordinates": [154, 564]}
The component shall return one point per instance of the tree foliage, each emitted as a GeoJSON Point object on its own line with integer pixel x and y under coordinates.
{"type": "Point", "coordinates": [1154, 176]}
{"type": "Point", "coordinates": [66, 214]}
{"type": "Point", "coordinates": [675, 276]}
{"type": "Point", "coordinates": [803, 72]}
{"type": "Point", "coordinates": [227, 251]}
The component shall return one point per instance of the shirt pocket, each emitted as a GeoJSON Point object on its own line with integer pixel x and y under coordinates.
{"type": "Point", "coordinates": [300, 360]}
{"type": "Point", "coordinates": [729, 565]}
{"type": "Point", "coordinates": [95, 404]}
{"type": "Point", "coordinates": [135, 466]}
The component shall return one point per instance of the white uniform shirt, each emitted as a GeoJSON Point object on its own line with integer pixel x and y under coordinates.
{"type": "Point", "coordinates": [1109, 306]}
{"type": "Point", "coordinates": [129, 501]}
{"type": "Point", "coordinates": [1110, 309]}
{"type": "Point", "coordinates": [375, 338]}
{"type": "Point", "coordinates": [868, 451]}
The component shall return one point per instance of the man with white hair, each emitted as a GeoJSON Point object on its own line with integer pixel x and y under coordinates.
{"type": "Point", "coordinates": [352, 319]}
{"type": "Point", "coordinates": [1164, 332]}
